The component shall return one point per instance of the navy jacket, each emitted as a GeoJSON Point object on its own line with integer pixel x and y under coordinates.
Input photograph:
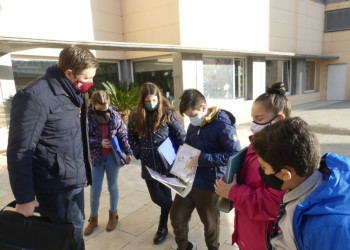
{"type": "Point", "coordinates": [145, 147]}
{"type": "Point", "coordinates": [46, 144]}
{"type": "Point", "coordinates": [217, 141]}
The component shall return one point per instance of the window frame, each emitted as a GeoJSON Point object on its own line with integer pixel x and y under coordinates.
{"type": "Point", "coordinates": [315, 71]}
{"type": "Point", "coordinates": [289, 85]}
{"type": "Point", "coordinates": [233, 58]}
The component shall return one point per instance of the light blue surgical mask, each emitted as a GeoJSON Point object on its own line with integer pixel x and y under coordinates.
{"type": "Point", "coordinates": [151, 106]}
{"type": "Point", "coordinates": [196, 120]}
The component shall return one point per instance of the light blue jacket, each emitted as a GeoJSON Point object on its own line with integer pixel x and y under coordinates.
{"type": "Point", "coordinates": [322, 221]}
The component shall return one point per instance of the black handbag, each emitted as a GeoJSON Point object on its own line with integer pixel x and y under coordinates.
{"type": "Point", "coordinates": [34, 232]}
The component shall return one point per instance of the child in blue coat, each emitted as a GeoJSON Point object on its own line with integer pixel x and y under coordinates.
{"type": "Point", "coordinates": [213, 131]}
{"type": "Point", "coordinates": [315, 212]}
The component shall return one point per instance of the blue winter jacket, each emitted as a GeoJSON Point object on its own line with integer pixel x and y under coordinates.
{"type": "Point", "coordinates": [322, 221]}
{"type": "Point", "coordinates": [217, 141]}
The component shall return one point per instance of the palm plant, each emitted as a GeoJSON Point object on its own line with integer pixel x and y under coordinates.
{"type": "Point", "coordinates": [123, 97]}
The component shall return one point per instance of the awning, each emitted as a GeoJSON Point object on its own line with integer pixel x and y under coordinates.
{"type": "Point", "coordinates": [14, 44]}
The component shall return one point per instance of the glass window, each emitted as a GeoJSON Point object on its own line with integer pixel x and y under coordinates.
{"type": "Point", "coordinates": [218, 78]}
{"type": "Point", "coordinates": [310, 75]}
{"type": "Point", "coordinates": [337, 20]}
{"type": "Point", "coordinates": [278, 70]}
{"type": "Point", "coordinates": [107, 71]}
{"type": "Point", "coordinates": [25, 71]}
{"type": "Point", "coordinates": [159, 71]}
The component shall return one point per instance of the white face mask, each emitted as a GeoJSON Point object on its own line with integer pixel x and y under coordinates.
{"type": "Point", "coordinates": [196, 120]}
{"type": "Point", "coordinates": [255, 127]}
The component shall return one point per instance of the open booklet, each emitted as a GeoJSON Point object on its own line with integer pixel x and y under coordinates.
{"type": "Point", "coordinates": [184, 175]}
{"type": "Point", "coordinates": [234, 165]}
{"type": "Point", "coordinates": [167, 151]}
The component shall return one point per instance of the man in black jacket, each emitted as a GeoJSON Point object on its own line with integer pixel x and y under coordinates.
{"type": "Point", "coordinates": [47, 152]}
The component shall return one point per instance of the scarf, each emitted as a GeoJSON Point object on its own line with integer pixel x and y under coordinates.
{"type": "Point", "coordinates": [77, 98]}
{"type": "Point", "coordinates": [102, 118]}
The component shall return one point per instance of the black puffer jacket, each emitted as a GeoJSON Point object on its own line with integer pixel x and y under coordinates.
{"type": "Point", "coordinates": [45, 148]}
{"type": "Point", "coordinates": [146, 147]}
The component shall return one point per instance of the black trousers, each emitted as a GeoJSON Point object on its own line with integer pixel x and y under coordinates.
{"type": "Point", "coordinates": [160, 195]}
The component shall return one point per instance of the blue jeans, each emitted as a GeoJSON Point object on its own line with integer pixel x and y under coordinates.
{"type": "Point", "coordinates": [67, 205]}
{"type": "Point", "coordinates": [111, 167]}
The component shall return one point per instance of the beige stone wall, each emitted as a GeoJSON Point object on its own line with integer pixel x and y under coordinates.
{"type": "Point", "coordinates": [336, 43]}
{"type": "Point", "coordinates": [151, 21]}
{"type": "Point", "coordinates": [296, 26]}
{"type": "Point", "coordinates": [108, 25]}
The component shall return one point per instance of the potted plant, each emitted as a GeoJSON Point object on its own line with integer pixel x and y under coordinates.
{"type": "Point", "coordinates": [123, 96]}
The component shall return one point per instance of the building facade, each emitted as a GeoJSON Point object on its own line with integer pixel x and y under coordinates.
{"type": "Point", "coordinates": [231, 50]}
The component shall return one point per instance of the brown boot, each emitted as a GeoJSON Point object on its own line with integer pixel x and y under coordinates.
{"type": "Point", "coordinates": [93, 223]}
{"type": "Point", "coordinates": [112, 222]}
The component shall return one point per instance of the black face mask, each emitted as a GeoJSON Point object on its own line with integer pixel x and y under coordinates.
{"type": "Point", "coordinates": [102, 117]}
{"type": "Point", "coordinates": [101, 112]}
{"type": "Point", "coordinates": [271, 180]}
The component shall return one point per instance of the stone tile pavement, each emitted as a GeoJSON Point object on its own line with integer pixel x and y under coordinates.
{"type": "Point", "coordinates": [139, 215]}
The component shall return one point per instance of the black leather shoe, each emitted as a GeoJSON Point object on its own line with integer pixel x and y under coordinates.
{"type": "Point", "coordinates": [160, 235]}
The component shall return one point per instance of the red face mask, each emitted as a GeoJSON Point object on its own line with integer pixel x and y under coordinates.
{"type": "Point", "coordinates": [82, 87]}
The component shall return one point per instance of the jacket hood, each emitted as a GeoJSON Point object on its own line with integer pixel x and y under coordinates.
{"type": "Point", "coordinates": [219, 115]}
{"type": "Point", "coordinates": [332, 196]}
{"type": "Point", "coordinates": [330, 201]}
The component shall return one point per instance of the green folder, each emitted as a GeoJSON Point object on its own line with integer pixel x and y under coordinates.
{"type": "Point", "coordinates": [234, 165]}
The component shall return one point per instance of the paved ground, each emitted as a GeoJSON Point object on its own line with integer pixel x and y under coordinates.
{"type": "Point", "coordinates": [139, 215]}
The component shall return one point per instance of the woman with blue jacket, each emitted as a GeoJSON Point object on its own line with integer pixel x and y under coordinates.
{"type": "Point", "coordinates": [153, 121]}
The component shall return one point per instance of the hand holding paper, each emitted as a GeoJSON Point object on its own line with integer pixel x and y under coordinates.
{"type": "Point", "coordinates": [182, 167]}
{"type": "Point", "coordinates": [193, 162]}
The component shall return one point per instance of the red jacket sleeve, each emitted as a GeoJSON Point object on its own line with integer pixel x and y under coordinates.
{"type": "Point", "coordinates": [252, 196]}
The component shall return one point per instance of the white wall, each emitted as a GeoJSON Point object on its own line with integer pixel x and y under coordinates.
{"type": "Point", "coordinates": [58, 20]}
{"type": "Point", "coordinates": [230, 24]}
{"type": "Point", "coordinates": [255, 25]}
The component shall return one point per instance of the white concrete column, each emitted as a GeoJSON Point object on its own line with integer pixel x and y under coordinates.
{"type": "Point", "coordinates": [7, 83]}
{"type": "Point", "coordinates": [7, 88]}
{"type": "Point", "coordinates": [187, 73]}
{"type": "Point", "coordinates": [259, 78]}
